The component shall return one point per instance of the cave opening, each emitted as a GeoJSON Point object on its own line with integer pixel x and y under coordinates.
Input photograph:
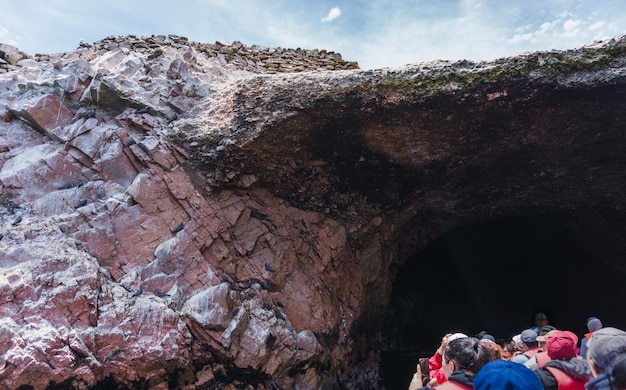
{"type": "Point", "coordinates": [494, 276]}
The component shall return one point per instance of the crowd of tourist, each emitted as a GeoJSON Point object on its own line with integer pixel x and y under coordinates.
{"type": "Point", "coordinates": [541, 357]}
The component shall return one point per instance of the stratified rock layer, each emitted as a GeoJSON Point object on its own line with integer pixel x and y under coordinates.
{"type": "Point", "coordinates": [184, 215]}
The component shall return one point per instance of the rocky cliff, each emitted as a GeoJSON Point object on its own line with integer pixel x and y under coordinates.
{"type": "Point", "coordinates": [184, 215]}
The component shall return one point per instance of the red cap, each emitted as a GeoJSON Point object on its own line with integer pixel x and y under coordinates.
{"type": "Point", "coordinates": [562, 345]}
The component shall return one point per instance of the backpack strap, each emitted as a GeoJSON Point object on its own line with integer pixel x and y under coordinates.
{"type": "Point", "coordinates": [531, 353]}
{"type": "Point", "coordinates": [542, 358]}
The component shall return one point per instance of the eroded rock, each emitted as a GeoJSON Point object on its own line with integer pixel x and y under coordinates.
{"type": "Point", "coordinates": [213, 215]}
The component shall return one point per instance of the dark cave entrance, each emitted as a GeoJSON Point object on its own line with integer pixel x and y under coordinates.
{"type": "Point", "coordinates": [495, 276]}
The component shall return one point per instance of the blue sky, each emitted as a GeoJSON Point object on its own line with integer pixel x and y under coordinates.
{"type": "Point", "coordinates": [376, 33]}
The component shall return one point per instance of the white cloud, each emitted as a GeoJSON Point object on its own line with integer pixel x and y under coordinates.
{"type": "Point", "coordinates": [570, 24]}
{"type": "Point", "coordinates": [517, 38]}
{"type": "Point", "coordinates": [571, 28]}
{"type": "Point", "coordinates": [597, 25]}
{"type": "Point", "coordinates": [471, 5]}
{"type": "Point", "coordinates": [526, 34]}
{"type": "Point", "coordinates": [333, 14]}
{"type": "Point", "coordinates": [7, 37]}
{"type": "Point", "coordinates": [547, 26]}
{"type": "Point", "coordinates": [524, 28]}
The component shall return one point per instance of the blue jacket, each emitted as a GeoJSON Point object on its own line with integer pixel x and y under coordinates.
{"type": "Point", "coordinates": [583, 348]}
{"type": "Point", "coordinates": [601, 382]}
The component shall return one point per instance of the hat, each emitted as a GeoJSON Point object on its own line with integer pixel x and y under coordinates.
{"type": "Point", "coordinates": [593, 324]}
{"type": "Point", "coordinates": [518, 340]}
{"type": "Point", "coordinates": [544, 337]}
{"type": "Point", "coordinates": [506, 375]}
{"type": "Point", "coordinates": [455, 336]}
{"type": "Point", "coordinates": [562, 344]}
{"type": "Point", "coordinates": [540, 316]}
{"type": "Point", "coordinates": [528, 336]}
{"type": "Point", "coordinates": [603, 342]}
{"type": "Point", "coordinates": [489, 338]}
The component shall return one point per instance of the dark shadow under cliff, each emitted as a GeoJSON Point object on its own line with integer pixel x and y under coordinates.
{"type": "Point", "coordinates": [494, 276]}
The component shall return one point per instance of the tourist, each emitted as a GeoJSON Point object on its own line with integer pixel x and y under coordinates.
{"type": "Point", "coordinates": [541, 320]}
{"type": "Point", "coordinates": [542, 332]}
{"type": "Point", "coordinates": [564, 370]}
{"type": "Point", "coordinates": [517, 339]}
{"type": "Point", "coordinates": [506, 375]}
{"type": "Point", "coordinates": [462, 359]}
{"type": "Point", "coordinates": [606, 355]}
{"type": "Point", "coordinates": [494, 349]}
{"type": "Point", "coordinates": [530, 346]}
{"type": "Point", "coordinates": [509, 350]}
{"type": "Point", "coordinates": [541, 357]}
{"type": "Point", "coordinates": [481, 334]}
{"type": "Point", "coordinates": [436, 361]}
{"type": "Point", "coordinates": [593, 324]}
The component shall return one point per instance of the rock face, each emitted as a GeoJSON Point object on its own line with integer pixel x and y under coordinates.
{"type": "Point", "coordinates": [183, 215]}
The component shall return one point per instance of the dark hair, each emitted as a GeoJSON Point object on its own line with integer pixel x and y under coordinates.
{"type": "Point", "coordinates": [495, 349]}
{"type": "Point", "coordinates": [468, 354]}
{"type": "Point", "coordinates": [618, 372]}
{"type": "Point", "coordinates": [511, 347]}
{"type": "Point", "coordinates": [531, 344]}
{"type": "Point", "coordinates": [544, 330]}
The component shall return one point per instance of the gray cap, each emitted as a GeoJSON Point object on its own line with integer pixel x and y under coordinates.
{"type": "Point", "coordinates": [603, 342]}
{"type": "Point", "coordinates": [529, 336]}
{"type": "Point", "coordinates": [594, 324]}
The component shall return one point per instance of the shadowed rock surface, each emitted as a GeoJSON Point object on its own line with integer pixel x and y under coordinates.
{"type": "Point", "coordinates": [183, 215]}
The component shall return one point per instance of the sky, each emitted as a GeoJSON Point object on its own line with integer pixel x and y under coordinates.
{"type": "Point", "coordinates": [375, 33]}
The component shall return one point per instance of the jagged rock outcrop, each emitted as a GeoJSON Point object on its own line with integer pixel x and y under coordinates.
{"type": "Point", "coordinates": [182, 215]}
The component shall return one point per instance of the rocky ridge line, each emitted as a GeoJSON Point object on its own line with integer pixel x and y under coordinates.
{"type": "Point", "coordinates": [254, 58]}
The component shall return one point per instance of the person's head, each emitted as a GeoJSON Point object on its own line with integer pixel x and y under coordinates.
{"type": "Point", "coordinates": [506, 375]}
{"type": "Point", "coordinates": [543, 333]}
{"type": "Point", "coordinates": [541, 319]}
{"type": "Point", "coordinates": [561, 344]}
{"type": "Point", "coordinates": [509, 350]}
{"type": "Point", "coordinates": [466, 354]}
{"type": "Point", "coordinates": [529, 339]}
{"type": "Point", "coordinates": [605, 346]}
{"type": "Point", "coordinates": [480, 334]}
{"type": "Point", "coordinates": [594, 324]}
{"type": "Point", "coordinates": [494, 349]}
{"type": "Point", "coordinates": [544, 330]}
{"type": "Point", "coordinates": [457, 335]}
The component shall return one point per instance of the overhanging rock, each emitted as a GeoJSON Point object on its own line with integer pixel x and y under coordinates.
{"type": "Point", "coordinates": [219, 214]}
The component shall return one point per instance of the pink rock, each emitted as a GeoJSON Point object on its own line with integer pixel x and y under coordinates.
{"type": "Point", "coordinates": [39, 170]}
{"type": "Point", "coordinates": [44, 113]}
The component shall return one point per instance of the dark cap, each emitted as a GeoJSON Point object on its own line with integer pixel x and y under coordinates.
{"type": "Point", "coordinates": [540, 316]}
